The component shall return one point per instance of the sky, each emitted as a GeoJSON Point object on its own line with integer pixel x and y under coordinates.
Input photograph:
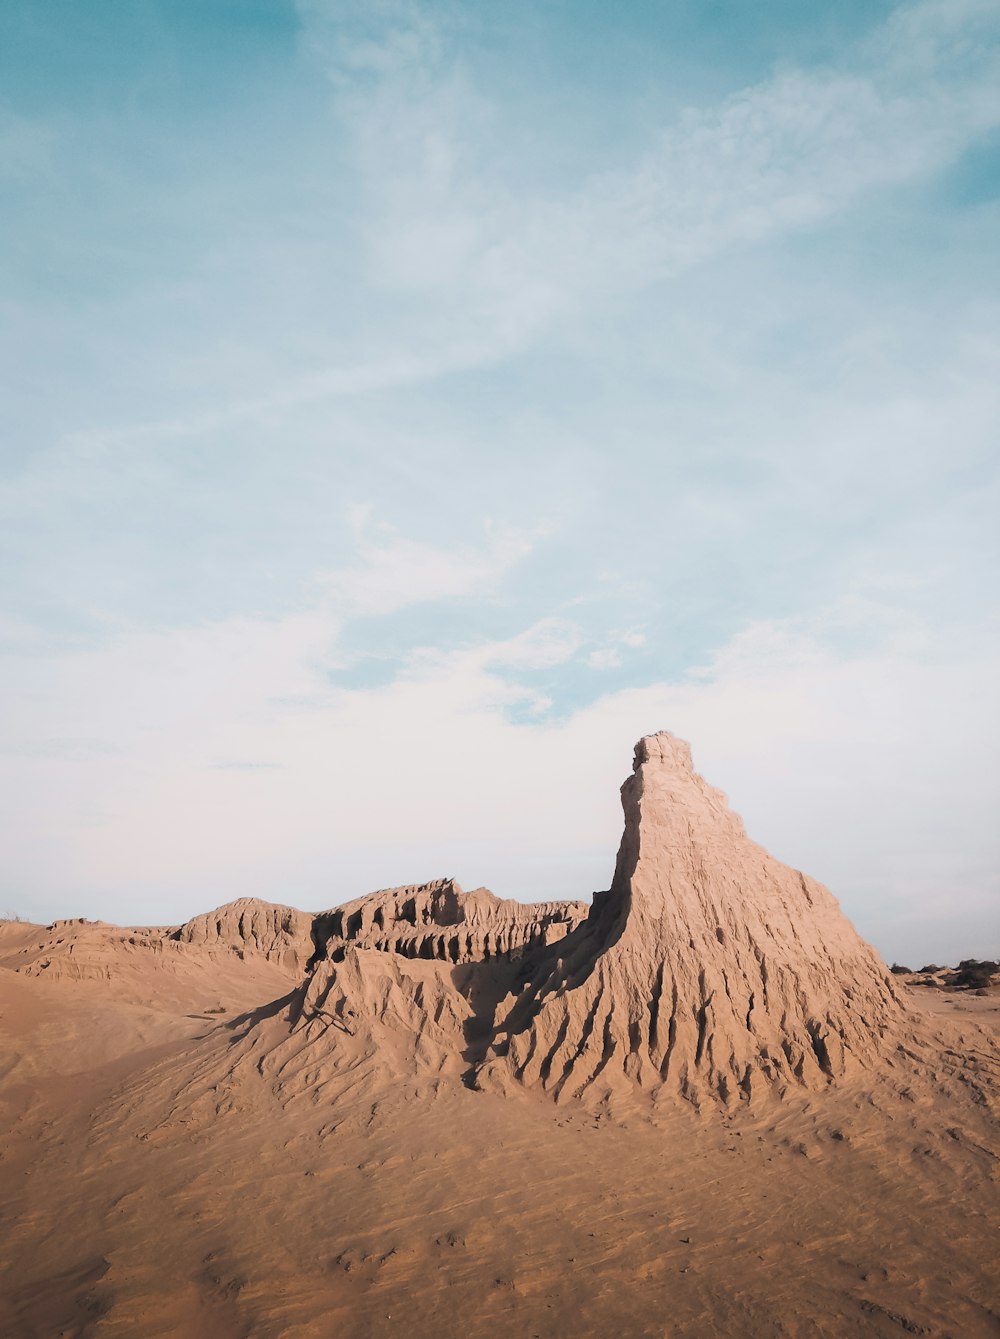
{"type": "Point", "coordinates": [407, 405]}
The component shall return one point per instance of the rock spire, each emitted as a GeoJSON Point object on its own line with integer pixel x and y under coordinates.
{"type": "Point", "coordinates": [708, 968]}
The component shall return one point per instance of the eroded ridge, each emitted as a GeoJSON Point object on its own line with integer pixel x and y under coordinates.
{"type": "Point", "coordinates": [281, 934]}
{"type": "Point", "coordinates": [707, 969]}
{"type": "Point", "coordinates": [437, 920]}
{"type": "Point", "coordinates": [404, 983]}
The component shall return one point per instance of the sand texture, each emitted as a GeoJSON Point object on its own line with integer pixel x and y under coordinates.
{"type": "Point", "coordinates": [701, 1106]}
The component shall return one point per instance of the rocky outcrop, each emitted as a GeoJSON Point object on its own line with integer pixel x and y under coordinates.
{"type": "Point", "coordinates": [707, 969]}
{"type": "Point", "coordinates": [402, 982]}
{"type": "Point", "coordinates": [438, 920]}
{"type": "Point", "coordinates": [248, 926]}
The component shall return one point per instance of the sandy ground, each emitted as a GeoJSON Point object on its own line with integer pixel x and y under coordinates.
{"type": "Point", "coordinates": [134, 1200]}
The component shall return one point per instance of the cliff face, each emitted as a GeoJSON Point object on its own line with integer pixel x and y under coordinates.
{"type": "Point", "coordinates": [707, 969]}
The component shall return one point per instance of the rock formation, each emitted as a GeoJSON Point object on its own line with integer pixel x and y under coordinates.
{"type": "Point", "coordinates": [280, 934]}
{"type": "Point", "coordinates": [404, 982]}
{"type": "Point", "coordinates": [707, 968]}
{"type": "Point", "coordinates": [438, 920]}
{"type": "Point", "coordinates": [217, 961]}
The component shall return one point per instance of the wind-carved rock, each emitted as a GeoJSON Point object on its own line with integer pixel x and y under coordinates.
{"type": "Point", "coordinates": [280, 934]}
{"type": "Point", "coordinates": [707, 969]}
{"type": "Point", "coordinates": [439, 920]}
{"type": "Point", "coordinates": [401, 982]}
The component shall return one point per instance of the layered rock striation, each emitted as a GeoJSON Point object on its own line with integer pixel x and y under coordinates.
{"type": "Point", "coordinates": [707, 969]}
{"type": "Point", "coordinates": [439, 920]}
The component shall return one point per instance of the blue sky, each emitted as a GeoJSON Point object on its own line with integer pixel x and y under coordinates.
{"type": "Point", "coordinates": [407, 405]}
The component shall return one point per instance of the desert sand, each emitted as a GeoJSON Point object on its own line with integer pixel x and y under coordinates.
{"type": "Point", "coordinates": [701, 1106]}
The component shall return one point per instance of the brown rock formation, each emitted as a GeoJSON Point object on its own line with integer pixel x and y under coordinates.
{"type": "Point", "coordinates": [708, 968]}
{"type": "Point", "coordinates": [278, 933]}
{"type": "Point", "coordinates": [403, 982]}
{"type": "Point", "coordinates": [210, 968]}
{"type": "Point", "coordinates": [438, 920]}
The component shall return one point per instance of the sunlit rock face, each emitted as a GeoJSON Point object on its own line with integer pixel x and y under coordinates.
{"type": "Point", "coordinates": [438, 920]}
{"type": "Point", "coordinates": [708, 969]}
{"type": "Point", "coordinates": [280, 934]}
{"type": "Point", "coordinates": [707, 972]}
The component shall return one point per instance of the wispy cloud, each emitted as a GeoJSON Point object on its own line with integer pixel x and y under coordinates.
{"type": "Point", "coordinates": [394, 571]}
{"type": "Point", "coordinates": [604, 658]}
{"type": "Point", "coordinates": [443, 222]}
{"type": "Point", "coordinates": [773, 157]}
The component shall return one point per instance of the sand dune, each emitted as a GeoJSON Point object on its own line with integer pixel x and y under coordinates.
{"type": "Point", "coordinates": [701, 1106]}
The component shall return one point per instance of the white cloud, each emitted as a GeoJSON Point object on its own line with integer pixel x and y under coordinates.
{"type": "Point", "coordinates": [549, 642]}
{"type": "Point", "coordinates": [604, 658]}
{"type": "Point", "coordinates": [395, 571]}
